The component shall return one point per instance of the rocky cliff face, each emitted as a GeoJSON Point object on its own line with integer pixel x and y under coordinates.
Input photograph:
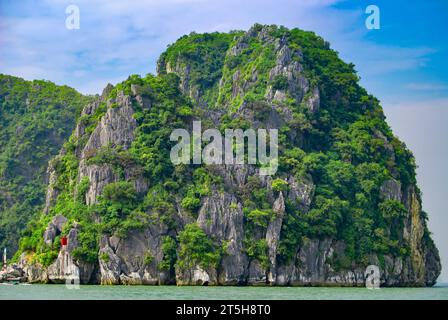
{"type": "Point", "coordinates": [328, 213]}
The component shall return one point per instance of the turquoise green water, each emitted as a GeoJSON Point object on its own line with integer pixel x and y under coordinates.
{"type": "Point", "coordinates": [58, 292]}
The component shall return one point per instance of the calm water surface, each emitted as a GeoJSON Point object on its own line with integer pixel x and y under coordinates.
{"type": "Point", "coordinates": [57, 292]}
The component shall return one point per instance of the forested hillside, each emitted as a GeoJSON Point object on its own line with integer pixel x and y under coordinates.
{"type": "Point", "coordinates": [344, 197]}
{"type": "Point", "coordinates": [36, 117]}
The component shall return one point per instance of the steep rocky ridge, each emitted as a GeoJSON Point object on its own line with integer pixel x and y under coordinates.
{"type": "Point", "coordinates": [344, 197]}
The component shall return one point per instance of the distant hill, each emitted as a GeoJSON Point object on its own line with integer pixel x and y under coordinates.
{"type": "Point", "coordinates": [36, 118]}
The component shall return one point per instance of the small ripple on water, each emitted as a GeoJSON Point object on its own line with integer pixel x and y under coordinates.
{"type": "Point", "coordinates": [93, 292]}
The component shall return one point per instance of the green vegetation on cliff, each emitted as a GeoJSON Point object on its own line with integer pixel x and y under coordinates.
{"type": "Point", "coordinates": [36, 118]}
{"type": "Point", "coordinates": [336, 153]}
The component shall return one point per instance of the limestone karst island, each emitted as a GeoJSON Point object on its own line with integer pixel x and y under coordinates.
{"type": "Point", "coordinates": [88, 192]}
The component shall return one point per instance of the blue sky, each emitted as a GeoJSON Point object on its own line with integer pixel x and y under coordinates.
{"type": "Point", "coordinates": [403, 63]}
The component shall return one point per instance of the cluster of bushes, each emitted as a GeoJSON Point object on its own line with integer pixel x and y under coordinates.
{"type": "Point", "coordinates": [204, 55]}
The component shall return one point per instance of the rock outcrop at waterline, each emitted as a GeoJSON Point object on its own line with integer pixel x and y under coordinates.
{"type": "Point", "coordinates": [344, 197]}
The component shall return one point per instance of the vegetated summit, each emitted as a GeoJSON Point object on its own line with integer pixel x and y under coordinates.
{"type": "Point", "coordinates": [344, 196]}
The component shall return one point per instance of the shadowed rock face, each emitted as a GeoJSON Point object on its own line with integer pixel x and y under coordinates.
{"type": "Point", "coordinates": [137, 256]}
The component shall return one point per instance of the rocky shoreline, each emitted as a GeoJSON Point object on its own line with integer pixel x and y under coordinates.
{"type": "Point", "coordinates": [123, 267]}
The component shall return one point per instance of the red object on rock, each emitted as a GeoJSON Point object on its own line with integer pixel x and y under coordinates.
{"type": "Point", "coordinates": [64, 241]}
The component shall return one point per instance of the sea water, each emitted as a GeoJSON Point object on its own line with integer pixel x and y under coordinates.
{"type": "Point", "coordinates": [96, 292]}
